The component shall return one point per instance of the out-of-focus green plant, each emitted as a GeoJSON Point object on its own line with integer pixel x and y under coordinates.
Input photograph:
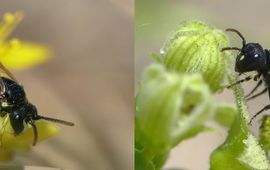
{"type": "Point", "coordinates": [16, 54]}
{"type": "Point", "coordinates": [174, 102]}
{"type": "Point", "coordinates": [167, 104]}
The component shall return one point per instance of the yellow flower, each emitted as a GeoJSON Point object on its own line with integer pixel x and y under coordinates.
{"type": "Point", "coordinates": [9, 143]}
{"type": "Point", "coordinates": [16, 54]}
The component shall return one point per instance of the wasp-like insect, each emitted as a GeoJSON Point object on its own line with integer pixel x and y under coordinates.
{"type": "Point", "coordinates": [13, 102]}
{"type": "Point", "coordinates": [252, 57]}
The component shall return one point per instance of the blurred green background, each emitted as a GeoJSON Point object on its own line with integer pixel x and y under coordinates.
{"type": "Point", "coordinates": [88, 81]}
{"type": "Point", "coordinates": [155, 20]}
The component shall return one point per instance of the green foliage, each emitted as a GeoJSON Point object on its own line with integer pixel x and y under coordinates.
{"type": "Point", "coordinates": [225, 114]}
{"type": "Point", "coordinates": [241, 149]}
{"type": "Point", "coordinates": [175, 101]}
{"type": "Point", "coordinates": [166, 106]}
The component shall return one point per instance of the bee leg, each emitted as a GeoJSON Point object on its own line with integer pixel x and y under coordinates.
{"type": "Point", "coordinates": [240, 81]}
{"type": "Point", "coordinates": [35, 132]}
{"type": "Point", "coordinates": [256, 95]}
{"type": "Point", "coordinates": [259, 112]}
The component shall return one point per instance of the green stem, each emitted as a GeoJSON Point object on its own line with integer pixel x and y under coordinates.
{"type": "Point", "coordinates": [240, 99]}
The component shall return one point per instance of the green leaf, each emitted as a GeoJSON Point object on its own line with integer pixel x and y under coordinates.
{"type": "Point", "coordinates": [140, 163]}
{"type": "Point", "coordinates": [155, 57]}
{"type": "Point", "coordinates": [253, 156]}
{"type": "Point", "coordinates": [225, 114]}
{"type": "Point", "coordinates": [160, 160]}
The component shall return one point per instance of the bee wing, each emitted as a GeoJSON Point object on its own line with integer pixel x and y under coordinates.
{"type": "Point", "coordinates": [5, 132]}
{"type": "Point", "coordinates": [7, 72]}
{"type": "Point", "coordinates": [2, 86]}
{"type": "Point", "coordinates": [3, 125]}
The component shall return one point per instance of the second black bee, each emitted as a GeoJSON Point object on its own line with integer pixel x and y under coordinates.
{"type": "Point", "coordinates": [252, 57]}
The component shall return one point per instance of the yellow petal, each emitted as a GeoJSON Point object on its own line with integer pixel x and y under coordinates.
{"type": "Point", "coordinates": [26, 138]}
{"type": "Point", "coordinates": [23, 142]}
{"type": "Point", "coordinates": [22, 55]}
{"type": "Point", "coordinates": [8, 24]}
{"type": "Point", "coordinates": [5, 155]}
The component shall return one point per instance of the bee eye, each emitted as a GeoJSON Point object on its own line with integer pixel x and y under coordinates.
{"type": "Point", "coordinates": [242, 57]}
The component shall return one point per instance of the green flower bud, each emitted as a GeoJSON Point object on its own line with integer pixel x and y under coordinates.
{"type": "Point", "coordinates": [195, 48]}
{"type": "Point", "coordinates": [170, 107]}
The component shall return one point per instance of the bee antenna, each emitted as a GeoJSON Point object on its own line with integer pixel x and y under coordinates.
{"type": "Point", "coordinates": [55, 120]}
{"type": "Point", "coordinates": [238, 33]}
{"type": "Point", "coordinates": [230, 48]}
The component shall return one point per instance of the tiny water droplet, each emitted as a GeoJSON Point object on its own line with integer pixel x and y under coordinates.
{"type": "Point", "coordinates": [162, 52]}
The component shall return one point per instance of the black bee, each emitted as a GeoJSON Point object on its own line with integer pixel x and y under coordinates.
{"type": "Point", "coordinates": [13, 102]}
{"type": "Point", "coordinates": [252, 57]}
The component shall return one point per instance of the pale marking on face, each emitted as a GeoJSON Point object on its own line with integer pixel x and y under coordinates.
{"type": "Point", "coordinates": [256, 55]}
{"type": "Point", "coordinates": [4, 104]}
{"type": "Point", "coordinates": [242, 57]}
